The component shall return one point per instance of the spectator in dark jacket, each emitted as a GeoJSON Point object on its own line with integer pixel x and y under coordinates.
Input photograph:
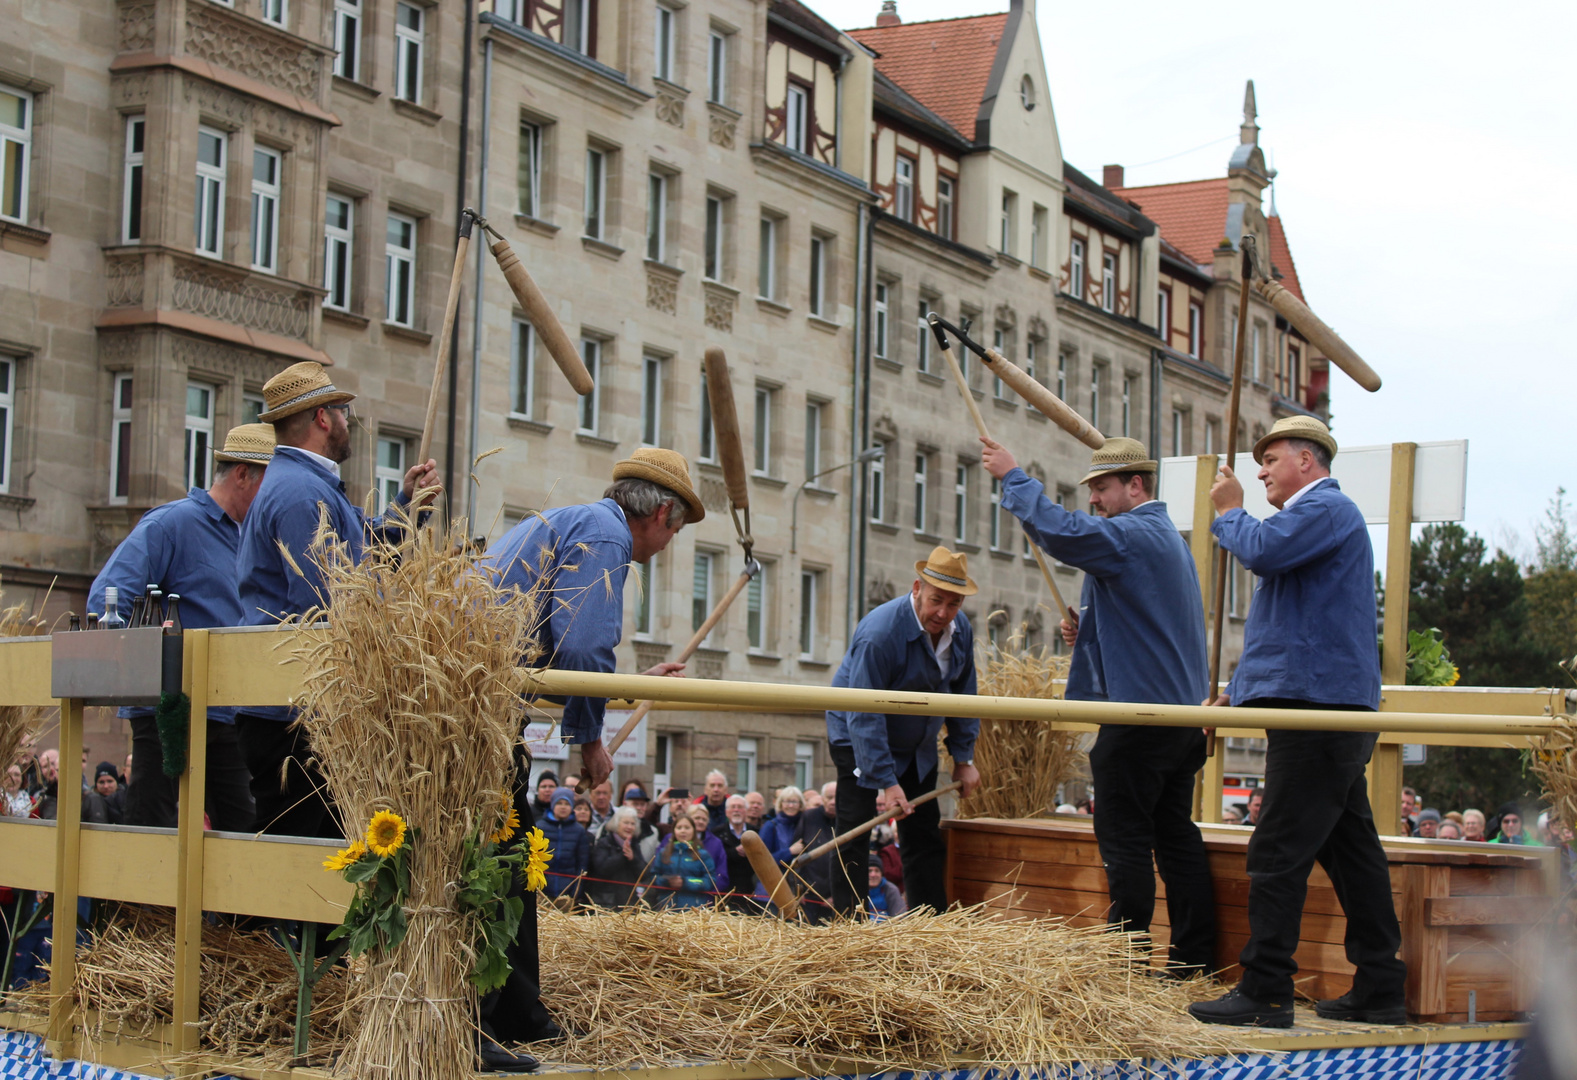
{"type": "Point", "coordinates": [816, 826]}
{"type": "Point", "coordinates": [756, 812]}
{"type": "Point", "coordinates": [1507, 826]}
{"type": "Point", "coordinates": [716, 800]}
{"type": "Point", "coordinates": [885, 901]}
{"type": "Point", "coordinates": [616, 862]}
{"type": "Point", "coordinates": [112, 791]}
{"type": "Point", "coordinates": [47, 807]}
{"type": "Point", "coordinates": [778, 832]}
{"type": "Point", "coordinates": [741, 875]}
{"type": "Point", "coordinates": [685, 868]}
{"type": "Point", "coordinates": [541, 804]}
{"type": "Point", "coordinates": [569, 843]}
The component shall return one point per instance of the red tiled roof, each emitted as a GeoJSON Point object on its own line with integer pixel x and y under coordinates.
{"type": "Point", "coordinates": [945, 63]}
{"type": "Point", "coordinates": [1281, 258]}
{"type": "Point", "coordinates": [1192, 215]}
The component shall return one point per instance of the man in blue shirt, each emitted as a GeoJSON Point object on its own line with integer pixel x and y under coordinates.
{"type": "Point", "coordinates": [1140, 637]}
{"type": "Point", "coordinates": [1309, 644]}
{"type": "Point", "coordinates": [187, 548]}
{"type": "Point", "coordinates": [311, 420]}
{"type": "Point", "coordinates": [919, 641]}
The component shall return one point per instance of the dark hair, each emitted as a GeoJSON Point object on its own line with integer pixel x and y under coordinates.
{"type": "Point", "coordinates": [1146, 479]}
{"type": "Point", "coordinates": [293, 426]}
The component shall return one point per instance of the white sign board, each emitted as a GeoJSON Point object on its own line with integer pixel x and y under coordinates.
{"type": "Point", "coordinates": [544, 744]}
{"type": "Point", "coordinates": [1364, 472]}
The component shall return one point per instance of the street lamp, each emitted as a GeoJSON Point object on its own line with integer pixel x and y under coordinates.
{"type": "Point", "coordinates": [875, 453]}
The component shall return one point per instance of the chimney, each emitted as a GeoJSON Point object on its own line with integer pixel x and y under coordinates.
{"type": "Point", "coordinates": [889, 14]}
{"type": "Point", "coordinates": [1112, 176]}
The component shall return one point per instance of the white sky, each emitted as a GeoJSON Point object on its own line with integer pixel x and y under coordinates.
{"type": "Point", "coordinates": [1427, 158]}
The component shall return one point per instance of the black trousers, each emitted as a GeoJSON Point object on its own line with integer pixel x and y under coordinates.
{"type": "Point", "coordinates": [1317, 809]}
{"type": "Point", "coordinates": [1144, 801]}
{"type": "Point", "coordinates": [920, 843]}
{"type": "Point", "coordinates": [287, 788]}
{"type": "Point", "coordinates": [152, 797]}
{"type": "Point", "coordinates": [514, 1012]}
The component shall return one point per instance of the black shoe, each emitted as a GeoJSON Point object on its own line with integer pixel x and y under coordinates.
{"type": "Point", "coordinates": [495, 1058]}
{"type": "Point", "coordinates": [1239, 1010]}
{"type": "Point", "coordinates": [1346, 1008]}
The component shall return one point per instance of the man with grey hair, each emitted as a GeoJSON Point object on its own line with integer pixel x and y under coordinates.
{"type": "Point", "coordinates": [741, 875]}
{"type": "Point", "coordinates": [715, 800]}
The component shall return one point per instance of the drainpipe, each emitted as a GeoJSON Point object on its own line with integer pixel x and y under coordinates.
{"type": "Point", "coordinates": [481, 250]}
{"type": "Point", "coordinates": [1156, 389]}
{"type": "Point", "coordinates": [863, 278]}
{"type": "Point", "coordinates": [459, 202]}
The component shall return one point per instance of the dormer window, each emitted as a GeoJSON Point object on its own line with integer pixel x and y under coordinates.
{"type": "Point", "coordinates": [903, 188]}
{"type": "Point", "coordinates": [796, 118]}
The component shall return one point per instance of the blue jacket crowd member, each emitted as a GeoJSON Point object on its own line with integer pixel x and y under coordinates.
{"type": "Point", "coordinates": [569, 845]}
{"type": "Point", "coordinates": [187, 548]}
{"type": "Point", "coordinates": [1139, 636]}
{"type": "Point", "coordinates": [685, 869]}
{"type": "Point", "coordinates": [918, 642]}
{"type": "Point", "coordinates": [311, 419]}
{"type": "Point", "coordinates": [1309, 644]}
{"type": "Point", "coordinates": [883, 901]}
{"type": "Point", "coordinates": [577, 558]}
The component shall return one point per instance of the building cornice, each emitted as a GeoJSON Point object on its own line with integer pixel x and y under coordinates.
{"type": "Point", "coordinates": [242, 84]}
{"type": "Point", "coordinates": [580, 72]}
{"type": "Point", "coordinates": [794, 167]}
{"type": "Point", "coordinates": [928, 245]}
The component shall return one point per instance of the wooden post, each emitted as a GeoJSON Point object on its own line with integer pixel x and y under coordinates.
{"type": "Point", "coordinates": [1385, 767]}
{"type": "Point", "coordinates": [61, 1041]}
{"type": "Point", "coordinates": [189, 840]}
{"type": "Point", "coordinates": [1201, 544]}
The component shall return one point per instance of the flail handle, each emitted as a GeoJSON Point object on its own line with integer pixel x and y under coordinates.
{"type": "Point", "coordinates": [767, 872]}
{"type": "Point", "coordinates": [725, 420]}
{"type": "Point", "coordinates": [1053, 407]}
{"type": "Point", "coordinates": [546, 324]}
{"type": "Point", "coordinates": [1322, 337]}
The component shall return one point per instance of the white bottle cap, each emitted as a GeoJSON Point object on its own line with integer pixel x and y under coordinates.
{"type": "Point", "coordinates": [111, 595]}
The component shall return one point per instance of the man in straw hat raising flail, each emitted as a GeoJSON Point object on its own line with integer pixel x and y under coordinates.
{"type": "Point", "coordinates": [919, 642]}
{"type": "Point", "coordinates": [187, 548]}
{"type": "Point", "coordinates": [1309, 644]}
{"type": "Point", "coordinates": [575, 559]}
{"type": "Point", "coordinates": [311, 421]}
{"type": "Point", "coordinates": [1139, 636]}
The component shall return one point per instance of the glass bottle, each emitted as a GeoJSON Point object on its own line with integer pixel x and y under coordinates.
{"type": "Point", "coordinates": [111, 619]}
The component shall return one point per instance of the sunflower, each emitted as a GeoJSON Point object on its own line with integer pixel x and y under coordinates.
{"type": "Point", "coordinates": [537, 861]}
{"type": "Point", "coordinates": [346, 857]}
{"type": "Point", "coordinates": [507, 829]}
{"type": "Point", "coordinates": [385, 833]}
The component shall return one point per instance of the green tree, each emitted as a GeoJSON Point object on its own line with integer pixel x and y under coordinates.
{"type": "Point", "coordinates": [1551, 584]}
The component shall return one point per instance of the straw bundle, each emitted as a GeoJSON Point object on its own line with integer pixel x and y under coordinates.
{"type": "Point", "coordinates": [17, 722]}
{"type": "Point", "coordinates": [1021, 762]}
{"type": "Point", "coordinates": [1555, 764]}
{"type": "Point", "coordinates": [675, 987]}
{"type": "Point", "coordinates": [409, 706]}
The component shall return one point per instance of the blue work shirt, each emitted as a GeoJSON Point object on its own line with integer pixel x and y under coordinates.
{"type": "Point", "coordinates": [285, 512]}
{"type": "Point", "coordinates": [1141, 620]}
{"type": "Point", "coordinates": [892, 651]}
{"type": "Point", "coordinates": [186, 547]}
{"type": "Point", "coordinates": [1310, 633]}
{"type": "Point", "coordinates": [582, 554]}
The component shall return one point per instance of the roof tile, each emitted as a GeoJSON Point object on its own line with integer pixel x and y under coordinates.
{"type": "Point", "coordinates": [945, 63]}
{"type": "Point", "coordinates": [1281, 258]}
{"type": "Point", "coordinates": [1192, 215]}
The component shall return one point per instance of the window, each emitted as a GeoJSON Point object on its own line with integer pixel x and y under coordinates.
{"type": "Point", "coordinates": [652, 370]}
{"type": "Point", "coordinates": [347, 39]}
{"type": "Point", "coordinates": [251, 408]}
{"type": "Point", "coordinates": [1257, 353]}
{"type": "Point", "coordinates": [1095, 395]}
{"type": "Point", "coordinates": [1108, 282]}
{"type": "Point", "coordinates": [1009, 222]}
{"type": "Point", "coordinates": [596, 191]}
{"type": "Point", "coordinates": [522, 370]}
{"type": "Point", "coordinates": [399, 282]}
{"type": "Point", "coordinates": [1026, 93]}
{"type": "Point", "coordinates": [796, 118]}
{"type": "Point", "coordinates": [818, 275]}
{"type": "Point", "coordinates": [591, 404]}
{"type": "Point", "coordinates": [16, 139]}
{"type": "Point", "coordinates": [945, 186]}
{"type": "Point", "coordinates": [656, 217]}
{"type": "Point", "coordinates": [745, 774]}
{"type": "Point", "coordinates": [1163, 315]}
{"type": "Point", "coordinates": [1234, 572]}
{"type": "Point", "coordinates": [1076, 268]}
{"type": "Point", "coordinates": [813, 418]}
{"type": "Point", "coordinates": [708, 434]}
{"type": "Point", "coordinates": [528, 171]}
{"type": "Point", "coordinates": [922, 352]}
{"type": "Point", "coordinates": [1294, 371]}
{"type": "Point", "coordinates": [998, 525]}
{"type": "Point", "coordinates": [767, 271]}
{"type": "Point", "coordinates": [408, 52]}
{"type": "Point", "coordinates": [763, 446]}
{"type": "Point", "coordinates": [1127, 405]}
{"type": "Point", "coordinates": [879, 321]}
{"type": "Point", "coordinates": [804, 765]}
{"type": "Point", "coordinates": [1196, 330]}
{"type": "Point", "coordinates": [1031, 351]}
{"type": "Point", "coordinates": [756, 611]}
{"type": "Point", "coordinates": [1211, 427]}
{"type": "Point", "coordinates": [210, 220]}
{"type": "Point", "coordinates": [921, 476]}
{"type": "Point", "coordinates": [809, 588]}
{"type": "Point", "coordinates": [1062, 376]}
{"type": "Point", "coordinates": [903, 189]}
{"type": "Point", "coordinates": [199, 433]}
{"type": "Point", "coordinates": [663, 42]}
{"type": "Point", "coordinates": [663, 761]}
{"type": "Point", "coordinates": [715, 224]}
{"type": "Point", "coordinates": [276, 12]}
{"type": "Point", "coordinates": [338, 223]}
{"type": "Point", "coordinates": [131, 182]}
{"type": "Point", "coordinates": [120, 440]}
{"type": "Point", "coordinates": [577, 26]}
{"type": "Point", "coordinates": [389, 474]}
{"type": "Point", "coordinates": [717, 67]}
{"type": "Point", "coordinates": [265, 210]}
{"type": "Point", "coordinates": [1037, 236]}
{"type": "Point", "coordinates": [7, 418]}
{"type": "Point", "coordinates": [961, 504]}
{"type": "Point", "coordinates": [1179, 429]}
{"type": "Point", "coordinates": [876, 490]}
{"type": "Point", "coordinates": [701, 591]}
{"type": "Point", "coordinates": [643, 596]}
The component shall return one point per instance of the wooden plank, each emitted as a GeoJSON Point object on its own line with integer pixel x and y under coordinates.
{"type": "Point", "coordinates": [1423, 947]}
{"type": "Point", "coordinates": [1487, 910]}
{"type": "Point", "coordinates": [298, 886]}
{"type": "Point", "coordinates": [29, 848]}
{"type": "Point", "coordinates": [61, 1042]}
{"type": "Point", "coordinates": [120, 864]}
{"type": "Point", "coordinates": [1076, 878]}
{"type": "Point", "coordinates": [252, 667]}
{"type": "Point", "coordinates": [1329, 929]}
{"type": "Point", "coordinates": [1039, 901]}
{"type": "Point", "coordinates": [1058, 850]}
{"type": "Point", "coordinates": [24, 672]}
{"type": "Point", "coordinates": [189, 901]}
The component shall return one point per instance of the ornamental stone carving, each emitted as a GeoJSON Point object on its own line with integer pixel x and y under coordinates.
{"type": "Point", "coordinates": [123, 282]}
{"type": "Point", "coordinates": [714, 494]}
{"type": "Point", "coordinates": [212, 357]}
{"type": "Point", "coordinates": [134, 27]}
{"type": "Point", "coordinates": [670, 105]}
{"type": "Point", "coordinates": [720, 305]}
{"type": "Point", "coordinates": [131, 89]}
{"type": "Point", "coordinates": [724, 129]}
{"type": "Point", "coordinates": [120, 351]}
{"type": "Point", "coordinates": [662, 291]}
{"type": "Point", "coordinates": [246, 303]}
{"type": "Point", "coordinates": [242, 46]}
{"type": "Point", "coordinates": [709, 663]}
{"type": "Point", "coordinates": [648, 654]}
{"type": "Point", "coordinates": [217, 101]}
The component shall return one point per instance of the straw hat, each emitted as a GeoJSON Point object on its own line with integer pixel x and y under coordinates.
{"type": "Point", "coordinates": [299, 387]}
{"type": "Point", "coordinates": [1295, 427]}
{"type": "Point", "coordinates": [947, 570]}
{"type": "Point", "coordinates": [666, 468]}
{"type": "Point", "coordinates": [1120, 455]}
{"type": "Point", "coordinates": [248, 444]}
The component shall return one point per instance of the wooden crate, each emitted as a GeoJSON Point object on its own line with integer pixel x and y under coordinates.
{"type": "Point", "coordinates": [1469, 913]}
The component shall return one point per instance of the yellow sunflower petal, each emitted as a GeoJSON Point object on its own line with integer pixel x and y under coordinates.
{"type": "Point", "coordinates": [385, 833]}
{"type": "Point", "coordinates": [345, 857]}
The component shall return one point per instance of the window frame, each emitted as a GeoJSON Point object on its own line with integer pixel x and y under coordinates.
{"type": "Point", "coordinates": [348, 18]}
{"type": "Point", "coordinates": [657, 194]}
{"type": "Point", "coordinates": [1076, 250]}
{"type": "Point", "coordinates": [1179, 432]}
{"type": "Point", "coordinates": [212, 182]}
{"type": "Point", "coordinates": [588, 414]}
{"type": "Point", "coordinates": [818, 275]}
{"type": "Point", "coordinates": [132, 171]}
{"type": "Point", "coordinates": [703, 575]}
{"type": "Point", "coordinates": [1039, 218]}
{"type": "Point", "coordinates": [275, 12]}
{"type": "Point", "coordinates": [809, 612]}
{"type": "Point", "coordinates": [757, 598]}
{"type": "Point", "coordinates": [761, 436]}
{"type": "Point", "coordinates": [746, 756]}
{"type": "Point", "coordinates": [644, 610]}
{"type": "Point", "coordinates": [961, 475]}
{"type": "Point", "coordinates": [708, 433]}
{"type": "Point", "coordinates": [876, 486]}
{"type": "Point", "coordinates": [717, 49]}
{"type": "Point", "coordinates": [122, 399]}
{"type": "Point", "coordinates": [796, 121]}
{"type": "Point", "coordinates": [663, 48]}
{"type": "Point", "coordinates": [1127, 400]}
{"type": "Point", "coordinates": [998, 528]}
{"type": "Point", "coordinates": [946, 204]}
{"type": "Point", "coordinates": [1109, 282]}
{"type": "Point", "coordinates": [22, 139]}
{"type": "Point", "coordinates": [410, 53]}
{"type": "Point", "coordinates": [199, 436]}
{"type": "Point", "coordinates": [1009, 223]}
{"type": "Point", "coordinates": [904, 169]}
{"type": "Point", "coordinates": [804, 764]}
{"type": "Point", "coordinates": [815, 433]}
{"type": "Point", "coordinates": [767, 257]}
{"type": "Point", "coordinates": [265, 209]}
{"type": "Point", "coordinates": [595, 205]}
{"type": "Point", "coordinates": [1062, 376]}
{"type": "Point", "coordinates": [528, 167]}
{"type": "Point", "coordinates": [880, 315]}
{"type": "Point", "coordinates": [8, 370]}
{"type": "Point", "coordinates": [922, 483]}
{"type": "Point", "coordinates": [922, 353]}
{"type": "Point", "coordinates": [1196, 329]}
{"type": "Point", "coordinates": [338, 273]}
{"type": "Point", "coordinates": [714, 238]}
{"type": "Point", "coordinates": [394, 257]}
{"type": "Point", "coordinates": [1163, 315]}
{"type": "Point", "coordinates": [383, 475]}
{"type": "Point", "coordinates": [522, 369]}
{"type": "Point", "coordinates": [654, 372]}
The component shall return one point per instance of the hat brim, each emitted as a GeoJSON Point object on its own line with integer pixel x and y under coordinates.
{"type": "Point", "coordinates": [329, 396]}
{"type": "Point", "coordinates": [1307, 436]}
{"type": "Point", "coordinates": [931, 577]}
{"type": "Point", "coordinates": [243, 457]}
{"type": "Point", "coordinates": [1148, 465]}
{"type": "Point", "coordinates": [679, 485]}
